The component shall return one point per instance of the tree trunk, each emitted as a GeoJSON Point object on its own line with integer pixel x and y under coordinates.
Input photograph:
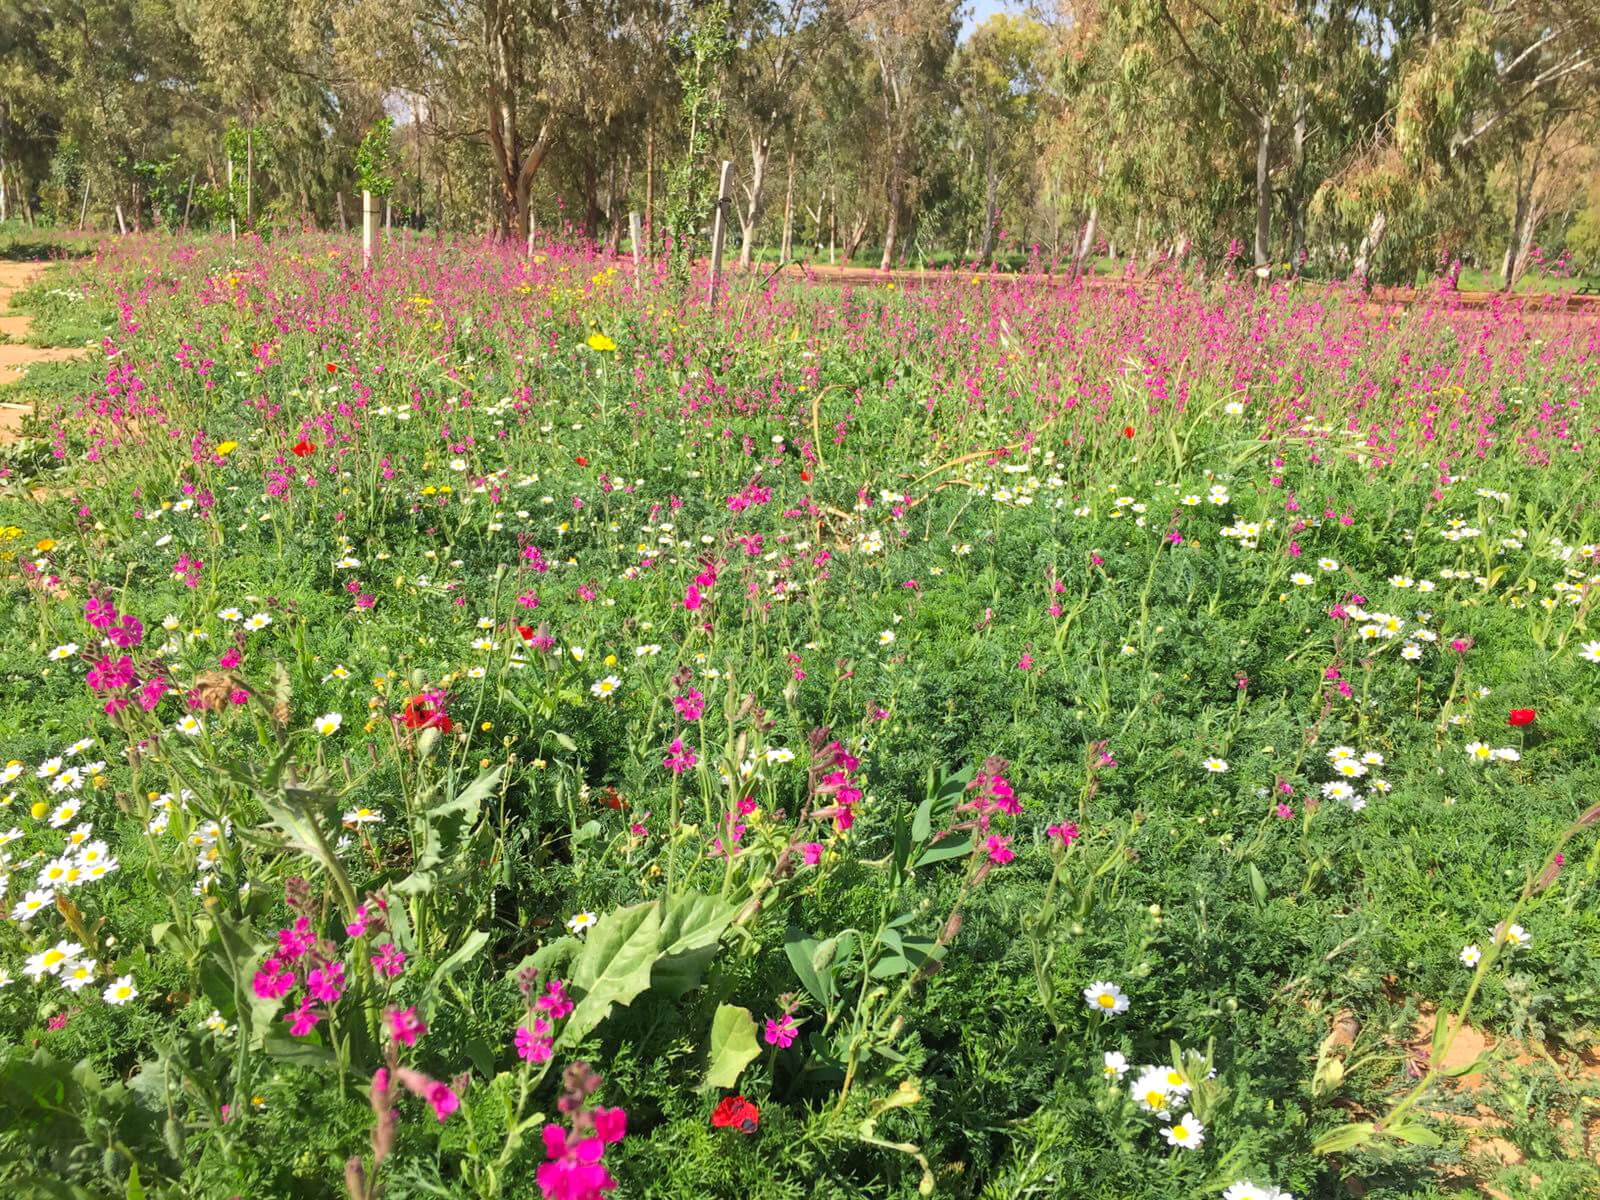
{"type": "Point", "coordinates": [1297, 199]}
{"type": "Point", "coordinates": [249, 179]}
{"type": "Point", "coordinates": [649, 179]}
{"type": "Point", "coordinates": [1086, 246]}
{"type": "Point", "coordinates": [892, 225]}
{"type": "Point", "coordinates": [338, 208]}
{"type": "Point", "coordinates": [760, 155]}
{"type": "Point", "coordinates": [786, 248]}
{"type": "Point", "coordinates": [83, 212]}
{"type": "Point", "coordinates": [986, 247]}
{"type": "Point", "coordinates": [1369, 248]}
{"type": "Point", "coordinates": [188, 201]}
{"type": "Point", "coordinates": [1264, 193]}
{"type": "Point", "coordinates": [833, 223]}
{"type": "Point", "coordinates": [3, 169]}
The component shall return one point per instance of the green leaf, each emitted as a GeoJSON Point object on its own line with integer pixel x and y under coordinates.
{"type": "Point", "coordinates": [1417, 1135]}
{"type": "Point", "coordinates": [690, 934]}
{"type": "Point", "coordinates": [614, 966]}
{"type": "Point", "coordinates": [464, 953]}
{"type": "Point", "coordinates": [802, 952]}
{"type": "Point", "coordinates": [1258, 885]}
{"type": "Point", "coordinates": [1346, 1137]}
{"type": "Point", "coordinates": [447, 823]}
{"type": "Point", "coordinates": [299, 1051]}
{"type": "Point", "coordinates": [135, 1188]}
{"type": "Point", "coordinates": [733, 1045]}
{"type": "Point", "coordinates": [951, 847]}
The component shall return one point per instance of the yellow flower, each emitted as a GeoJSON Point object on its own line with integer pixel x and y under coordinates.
{"type": "Point", "coordinates": [599, 341]}
{"type": "Point", "coordinates": [226, 448]}
{"type": "Point", "coordinates": [45, 545]}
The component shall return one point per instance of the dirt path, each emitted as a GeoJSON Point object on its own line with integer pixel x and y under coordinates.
{"type": "Point", "coordinates": [16, 357]}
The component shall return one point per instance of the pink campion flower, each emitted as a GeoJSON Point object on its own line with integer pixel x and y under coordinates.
{"type": "Point", "coordinates": [610, 1125]}
{"type": "Point", "coordinates": [528, 600]}
{"type": "Point", "coordinates": [999, 848]}
{"type": "Point", "coordinates": [534, 1044]}
{"type": "Point", "coordinates": [389, 961]}
{"type": "Point", "coordinates": [692, 600]}
{"type": "Point", "coordinates": [405, 1026]}
{"type": "Point", "coordinates": [555, 1001]}
{"type": "Point", "coordinates": [326, 983]}
{"type": "Point", "coordinates": [150, 694]}
{"type": "Point", "coordinates": [1461, 645]}
{"type": "Point", "coordinates": [443, 1100]}
{"type": "Point", "coordinates": [126, 635]}
{"type": "Point", "coordinates": [781, 1031]}
{"type": "Point", "coordinates": [1294, 549]}
{"type": "Point", "coordinates": [811, 852]}
{"type": "Point", "coordinates": [295, 942]}
{"type": "Point", "coordinates": [302, 1020]}
{"type": "Point", "coordinates": [679, 757]}
{"type": "Point", "coordinates": [101, 614]}
{"type": "Point", "coordinates": [58, 1021]}
{"type": "Point", "coordinates": [1175, 538]}
{"type": "Point", "coordinates": [1284, 811]}
{"type": "Point", "coordinates": [1054, 610]}
{"type": "Point", "coordinates": [1025, 663]}
{"type": "Point", "coordinates": [107, 676]}
{"type": "Point", "coordinates": [1066, 833]}
{"type": "Point", "coordinates": [230, 658]}
{"type": "Point", "coordinates": [586, 593]}
{"type": "Point", "coordinates": [273, 980]}
{"type": "Point", "coordinates": [1338, 613]}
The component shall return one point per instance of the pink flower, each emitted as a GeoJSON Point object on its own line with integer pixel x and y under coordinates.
{"type": "Point", "coordinates": [610, 1124]}
{"type": "Point", "coordinates": [555, 1001]}
{"type": "Point", "coordinates": [405, 1026]}
{"type": "Point", "coordinates": [389, 961]}
{"type": "Point", "coordinates": [534, 1045]}
{"type": "Point", "coordinates": [295, 942]}
{"type": "Point", "coordinates": [1025, 663]}
{"type": "Point", "coordinates": [692, 600]}
{"type": "Point", "coordinates": [302, 1020]}
{"type": "Point", "coordinates": [1066, 833]}
{"type": "Point", "coordinates": [781, 1031]}
{"type": "Point", "coordinates": [273, 980]}
{"type": "Point", "coordinates": [812, 853]}
{"type": "Point", "coordinates": [679, 758]}
{"type": "Point", "coordinates": [689, 705]}
{"type": "Point", "coordinates": [999, 848]}
{"type": "Point", "coordinates": [326, 983]}
{"type": "Point", "coordinates": [1284, 811]}
{"type": "Point", "coordinates": [444, 1100]}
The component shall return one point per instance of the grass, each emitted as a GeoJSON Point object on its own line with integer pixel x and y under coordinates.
{"type": "Point", "coordinates": [977, 535]}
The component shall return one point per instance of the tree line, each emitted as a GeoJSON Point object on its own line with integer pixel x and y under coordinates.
{"type": "Point", "coordinates": [1375, 140]}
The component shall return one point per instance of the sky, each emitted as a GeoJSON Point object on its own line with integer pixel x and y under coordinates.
{"type": "Point", "coordinates": [980, 10]}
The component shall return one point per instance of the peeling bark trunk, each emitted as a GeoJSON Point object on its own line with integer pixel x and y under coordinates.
{"type": "Point", "coordinates": [1086, 243]}
{"type": "Point", "coordinates": [1369, 248]}
{"type": "Point", "coordinates": [892, 226]}
{"type": "Point", "coordinates": [760, 155]}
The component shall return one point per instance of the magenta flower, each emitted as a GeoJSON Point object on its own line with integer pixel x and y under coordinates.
{"type": "Point", "coordinates": [273, 980]}
{"type": "Point", "coordinates": [781, 1031]}
{"type": "Point", "coordinates": [444, 1100]}
{"type": "Point", "coordinates": [811, 852]}
{"type": "Point", "coordinates": [679, 758]}
{"type": "Point", "coordinates": [1066, 833]}
{"type": "Point", "coordinates": [534, 1044]}
{"type": "Point", "coordinates": [999, 848]}
{"type": "Point", "coordinates": [555, 1001]}
{"type": "Point", "coordinates": [326, 983]}
{"type": "Point", "coordinates": [302, 1020]}
{"type": "Point", "coordinates": [295, 942]}
{"type": "Point", "coordinates": [689, 705]}
{"type": "Point", "coordinates": [389, 961]}
{"type": "Point", "coordinates": [405, 1026]}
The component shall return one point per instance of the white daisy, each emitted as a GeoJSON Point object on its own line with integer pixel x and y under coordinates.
{"type": "Point", "coordinates": [328, 723]}
{"type": "Point", "coordinates": [1105, 997]}
{"type": "Point", "coordinates": [259, 621]}
{"type": "Point", "coordinates": [1216, 766]}
{"type": "Point", "coordinates": [120, 991]}
{"type": "Point", "coordinates": [1470, 955]}
{"type": "Point", "coordinates": [1114, 1067]}
{"type": "Point", "coordinates": [581, 923]}
{"type": "Point", "coordinates": [1187, 1133]}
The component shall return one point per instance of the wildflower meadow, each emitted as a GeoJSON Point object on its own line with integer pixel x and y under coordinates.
{"type": "Point", "coordinates": [501, 724]}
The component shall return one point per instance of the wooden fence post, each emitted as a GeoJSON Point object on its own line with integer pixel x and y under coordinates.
{"type": "Point", "coordinates": [369, 229]}
{"type": "Point", "coordinates": [533, 227]}
{"type": "Point", "coordinates": [718, 229]}
{"type": "Point", "coordinates": [636, 233]}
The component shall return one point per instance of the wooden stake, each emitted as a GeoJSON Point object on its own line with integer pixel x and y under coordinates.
{"type": "Point", "coordinates": [233, 217]}
{"type": "Point", "coordinates": [718, 230]}
{"type": "Point", "coordinates": [636, 232]}
{"type": "Point", "coordinates": [533, 227]}
{"type": "Point", "coordinates": [122, 226]}
{"type": "Point", "coordinates": [189, 200]}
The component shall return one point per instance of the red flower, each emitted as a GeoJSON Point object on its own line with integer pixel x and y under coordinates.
{"type": "Point", "coordinates": [1127, 431]}
{"type": "Point", "coordinates": [612, 798]}
{"type": "Point", "coordinates": [419, 714]}
{"type": "Point", "coordinates": [1521, 716]}
{"type": "Point", "coordinates": [332, 367]}
{"type": "Point", "coordinates": [526, 631]}
{"type": "Point", "coordinates": [303, 448]}
{"type": "Point", "coordinates": [805, 476]}
{"type": "Point", "coordinates": [735, 1112]}
{"type": "Point", "coordinates": [581, 461]}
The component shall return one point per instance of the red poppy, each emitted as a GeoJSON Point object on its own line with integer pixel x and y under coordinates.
{"type": "Point", "coordinates": [1521, 716]}
{"type": "Point", "coordinates": [805, 476]}
{"type": "Point", "coordinates": [581, 461]}
{"type": "Point", "coordinates": [735, 1112]}
{"type": "Point", "coordinates": [303, 448]}
{"type": "Point", "coordinates": [612, 798]}
{"type": "Point", "coordinates": [526, 631]}
{"type": "Point", "coordinates": [419, 714]}
{"type": "Point", "coordinates": [1127, 431]}
{"type": "Point", "coordinates": [332, 367]}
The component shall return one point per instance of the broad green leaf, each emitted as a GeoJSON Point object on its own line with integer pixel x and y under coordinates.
{"type": "Point", "coordinates": [690, 933]}
{"type": "Point", "coordinates": [951, 847]}
{"type": "Point", "coordinates": [614, 966]}
{"type": "Point", "coordinates": [1258, 885]}
{"type": "Point", "coordinates": [801, 952]}
{"type": "Point", "coordinates": [733, 1045]}
{"type": "Point", "coordinates": [299, 1051]}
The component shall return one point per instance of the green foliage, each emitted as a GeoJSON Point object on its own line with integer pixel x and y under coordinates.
{"type": "Point", "coordinates": [375, 159]}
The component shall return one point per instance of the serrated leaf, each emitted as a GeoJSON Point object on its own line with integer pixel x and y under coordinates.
{"type": "Point", "coordinates": [733, 1045]}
